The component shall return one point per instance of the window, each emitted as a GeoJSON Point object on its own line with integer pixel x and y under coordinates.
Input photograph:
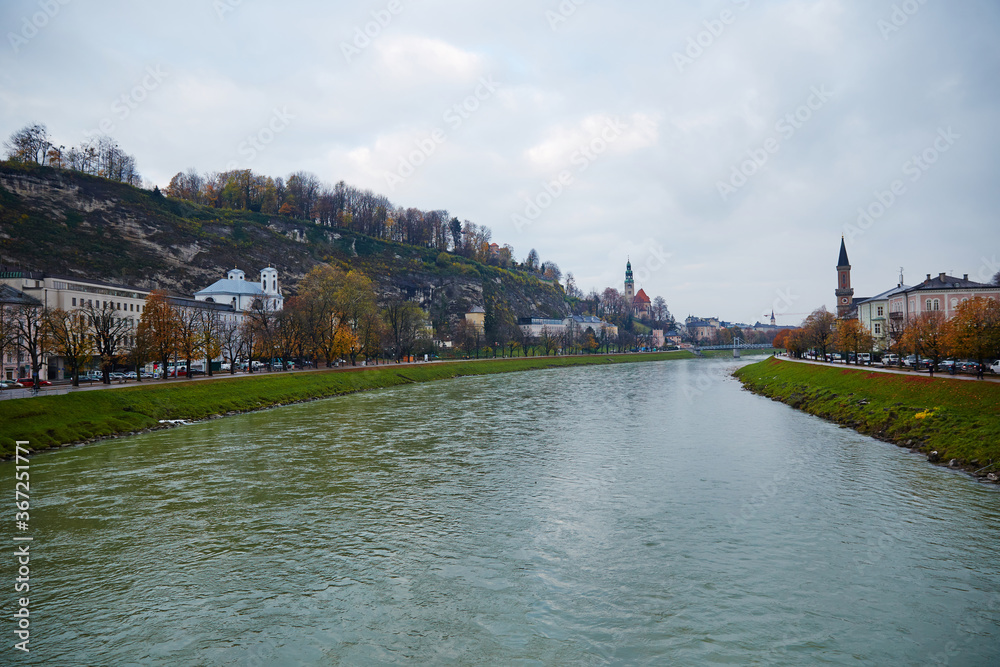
{"type": "Point", "coordinates": [274, 285]}
{"type": "Point", "coordinates": [878, 329]}
{"type": "Point", "coordinates": [880, 312]}
{"type": "Point", "coordinates": [937, 304]}
{"type": "Point", "coordinates": [928, 305]}
{"type": "Point", "coordinates": [74, 300]}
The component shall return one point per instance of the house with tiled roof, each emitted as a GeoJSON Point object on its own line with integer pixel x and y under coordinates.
{"type": "Point", "coordinates": [942, 293]}
{"type": "Point", "coordinates": [873, 314]}
{"type": "Point", "coordinates": [641, 304]}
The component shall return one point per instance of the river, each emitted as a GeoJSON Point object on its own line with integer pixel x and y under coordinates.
{"type": "Point", "coordinates": [645, 514]}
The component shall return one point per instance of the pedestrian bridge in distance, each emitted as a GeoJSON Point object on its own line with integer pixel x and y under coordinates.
{"type": "Point", "coordinates": [738, 346]}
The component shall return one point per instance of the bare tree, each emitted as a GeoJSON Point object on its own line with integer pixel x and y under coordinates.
{"type": "Point", "coordinates": [230, 342]}
{"type": "Point", "coordinates": [110, 331]}
{"type": "Point", "coordinates": [31, 335]}
{"type": "Point", "coordinates": [405, 322]}
{"type": "Point", "coordinates": [29, 144]}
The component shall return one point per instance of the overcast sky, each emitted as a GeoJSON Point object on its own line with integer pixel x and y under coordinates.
{"type": "Point", "coordinates": [725, 146]}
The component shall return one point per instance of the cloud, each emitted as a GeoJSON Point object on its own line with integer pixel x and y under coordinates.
{"type": "Point", "coordinates": [413, 60]}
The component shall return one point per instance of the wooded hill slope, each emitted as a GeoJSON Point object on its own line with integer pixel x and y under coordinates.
{"type": "Point", "coordinates": [73, 224]}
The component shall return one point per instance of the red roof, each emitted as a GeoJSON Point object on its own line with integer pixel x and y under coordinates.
{"type": "Point", "coordinates": [641, 297]}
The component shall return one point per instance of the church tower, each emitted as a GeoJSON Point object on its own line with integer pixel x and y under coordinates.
{"type": "Point", "coordinates": [772, 317]}
{"type": "Point", "coordinates": [844, 291]}
{"type": "Point", "coordinates": [629, 283]}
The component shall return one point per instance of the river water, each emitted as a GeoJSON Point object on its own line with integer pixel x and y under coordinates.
{"type": "Point", "coordinates": [648, 513]}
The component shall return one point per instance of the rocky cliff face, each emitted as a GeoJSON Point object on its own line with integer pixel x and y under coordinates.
{"type": "Point", "coordinates": [72, 224]}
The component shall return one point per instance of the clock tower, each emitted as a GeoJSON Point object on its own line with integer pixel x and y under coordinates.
{"type": "Point", "coordinates": [629, 284]}
{"type": "Point", "coordinates": [844, 291]}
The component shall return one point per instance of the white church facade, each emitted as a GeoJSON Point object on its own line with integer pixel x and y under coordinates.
{"type": "Point", "coordinates": [235, 290]}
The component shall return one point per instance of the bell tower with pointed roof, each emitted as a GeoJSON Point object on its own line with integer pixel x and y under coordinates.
{"type": "Point", "coordinates": [844, 291]}
{"type": "Point", "coordinates": [629, 282]}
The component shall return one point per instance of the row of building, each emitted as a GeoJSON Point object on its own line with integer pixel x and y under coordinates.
{"type": "Point", "coordinates": [229, 298]}
{"type": "Point", "coordinates": [887, 312]}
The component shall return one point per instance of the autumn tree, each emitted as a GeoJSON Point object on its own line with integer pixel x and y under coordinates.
{"type": "Point", "coordinates": [819, 329]}
{"type": "Point", "coordinates": [158, 327]}
{"type": "Point", "coordinates": [929, 335]}
{"type": "Point", "coordinates": [975, 331]}
{"type": "Point", "coordinates": [781, 338]}
{"type": "Point", "coordinates": [852, 336]}
{"type": "Point", "coordinates": [71, 339]}
{"type": "Point", "coordinates": [317, 307]}
{"type": "Point", "coordinates": [353, 301]}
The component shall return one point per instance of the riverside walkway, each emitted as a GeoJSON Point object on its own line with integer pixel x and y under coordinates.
{"type": "Point", "coordinates": [988, 377]}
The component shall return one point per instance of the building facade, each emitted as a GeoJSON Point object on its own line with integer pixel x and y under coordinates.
{"type": "Point", "coordinates": [940, 294]}
{"type": "Point", "coordinates": [874, 315]}
{"type": "Point", "coordinates": [70, 294]}
{"type": "Point", "coordinates": [242, 294]}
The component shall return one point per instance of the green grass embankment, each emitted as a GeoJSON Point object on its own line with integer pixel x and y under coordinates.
{"type": "Point", "coordinates": [51, 421]}
{"type": "Point", "coordinates": [958, 419]}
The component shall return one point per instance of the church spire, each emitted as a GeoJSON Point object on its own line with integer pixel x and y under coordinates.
{"type": "Point", "coordinates": [629, 282]}
{"type": "Point", "coordinates": [844, 291]}
{"type": "Point", "coordinates": [843, 261]}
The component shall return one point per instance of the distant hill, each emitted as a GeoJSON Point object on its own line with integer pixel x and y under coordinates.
{"type": "Point", "coordinates": [73, 224]}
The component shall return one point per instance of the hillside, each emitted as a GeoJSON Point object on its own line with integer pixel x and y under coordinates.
{"type": "Point", "coordinates": [73, 224]}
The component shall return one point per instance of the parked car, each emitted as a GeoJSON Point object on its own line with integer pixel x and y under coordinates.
{"type": "Point", "coordinates": [969, 366]}
{"type": "Point", "coordinates": [10, 384]}
{"type": "Point", "coordinates": [193, 372]}
{"type": "Point", "coordinates": [890, 360]}
{"type": "Point", "coordinates": [130, 375]}
{"type": "Point", "coordinates": [115, 376]}
{"type": "Point", "coordinates": [911, 362]}
{"type": "Point", "coordinates": [995, 367]}
{"type": "Point", "coordinates": [948, 366]}
{"type": "Point", "coordinates": [27, 382]}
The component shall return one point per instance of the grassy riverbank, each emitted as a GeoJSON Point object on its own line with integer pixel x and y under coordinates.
{"type": "Point", "coordinates": [51, 421]}
{"type": "Point", "coordinates": [728, 354]}
{"type": "Point", "coordinates": [958, 419]}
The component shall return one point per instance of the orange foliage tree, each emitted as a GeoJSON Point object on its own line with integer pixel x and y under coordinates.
{"type": "Point", "coordinates": [975, 330]}
{"type": "Point", "coordinates": [158, 327]}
